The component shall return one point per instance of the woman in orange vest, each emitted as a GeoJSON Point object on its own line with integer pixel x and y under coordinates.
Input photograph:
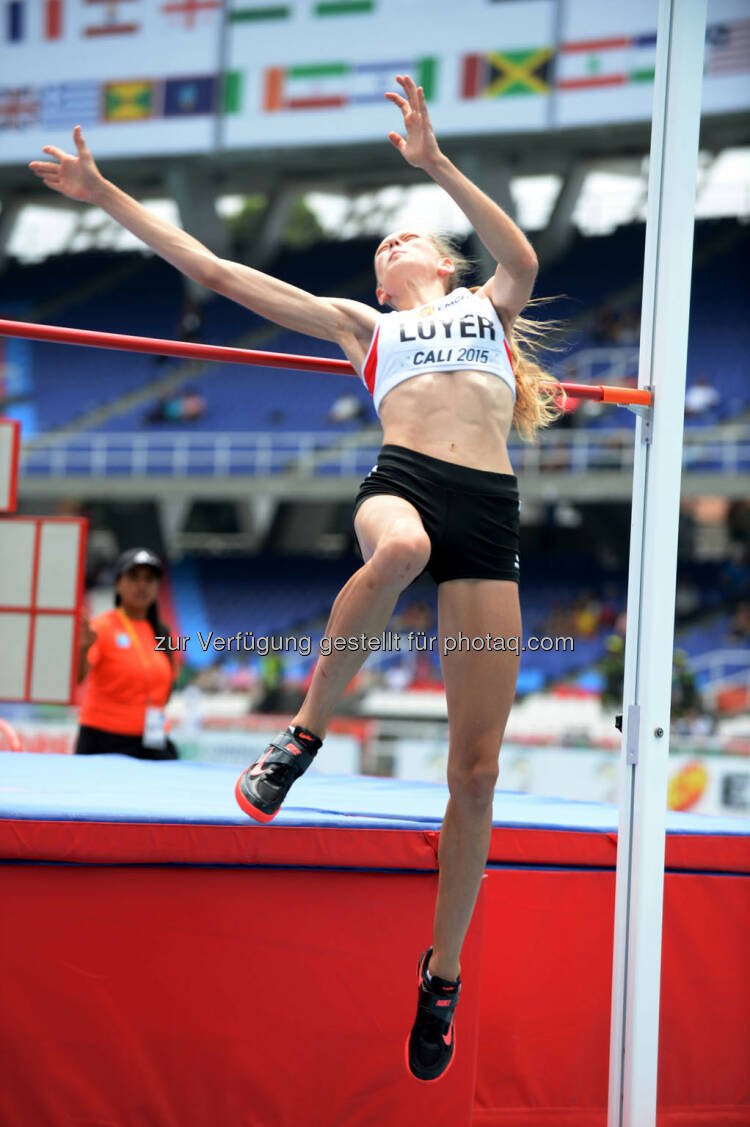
{"type": "Point", "coordinates": [129, 678]}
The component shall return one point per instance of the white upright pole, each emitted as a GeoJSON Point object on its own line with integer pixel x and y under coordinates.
{"type": "Point", "coordinates": [636, 974]}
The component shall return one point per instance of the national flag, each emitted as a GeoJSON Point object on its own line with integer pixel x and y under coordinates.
{"type": "Point", "coordinates": [258, 11]}
{"type": "Point", "coordinates": [53, 19]}
{"type": "Point", "coordinates": [129, 101]}
{"type": "Point", "coordinates": [334, 85]}
{"type": "Point", "coordinates": [500, 74]}
{"type": "Point", "coordinates": [15, 20]}
{"type": "Point", "coordinates": [586, 64]}
{"type": "Point", "coordinates": [728, 47]}
{"type": "Point", "coordinates": [189, 10]}
{"type": "Point", "coordinates": [65, 104]}
{"type": "Point", "coordinates": [184, 97]}
{"type": "Point", "coordinates": [19, 107]}
{"type": "Point", "coordinates": [111, 26]}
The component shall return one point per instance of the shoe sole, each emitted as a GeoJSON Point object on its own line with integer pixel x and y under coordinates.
{"type": "Point", "coordinates": [434, 1079]}
{"type": "Point", "coordinates": [247, 806]}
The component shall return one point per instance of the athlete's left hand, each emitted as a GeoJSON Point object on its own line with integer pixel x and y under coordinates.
{"type": "Point", "coordinates": [420, 148]}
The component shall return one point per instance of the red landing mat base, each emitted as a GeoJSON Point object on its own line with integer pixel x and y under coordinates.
{"type": "Point", "coordinates": [159, 971]}
{"type": "Point", "coordinates": [174, 997]}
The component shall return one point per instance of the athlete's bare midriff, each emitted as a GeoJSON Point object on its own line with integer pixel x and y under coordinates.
{"type": "Point", "coordinates": [463, 417]}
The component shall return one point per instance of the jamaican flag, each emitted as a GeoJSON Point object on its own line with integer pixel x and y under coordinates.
{"type": "Point", "coordinates": [499, 74]}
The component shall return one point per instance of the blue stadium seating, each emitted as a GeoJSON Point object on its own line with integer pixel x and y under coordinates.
{"type": "Point", "coordinates": [70, 381]}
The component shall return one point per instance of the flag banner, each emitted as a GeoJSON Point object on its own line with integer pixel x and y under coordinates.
{"type": "Point", "coordinates": [53, 19]}
{"type": "Point", "coordinates": [15, 20]}
{"type": "Point", "coordinates": [335, 85]}
{"type": "Point", "coordinates": [585, 64]}
{"type": "Point", "coordinates": [65, 104]}
{"type": "Point", "coordinates": [184, 96]}
{"type": "Point", "coordinates": [258, 11]}
{"type": "Point", "coordinates": [503, 74]}
{"type": "Point", "coordinates": [192, 12]}
{"type": "Point", "coordinates": [343, 7]}
{"type": "Point", "coordinates": [19, 107]}
{"type": "Point", "coordinates": [727, 48]}
{"type": "Point", "coordinates": [227, 76]}
{"type": "Point", "coordinates": [113, 23]}
{"type": "Point", "coordinates": [231, 94]}
{"type": "Point", "coordinates": [129, 101]}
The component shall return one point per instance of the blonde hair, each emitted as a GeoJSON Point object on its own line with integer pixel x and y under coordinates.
{"type": "Point", "coordinates": [540, 399]}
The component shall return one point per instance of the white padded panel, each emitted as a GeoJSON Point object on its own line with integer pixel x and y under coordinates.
{"type": "Point", "coordinates": [53, 655]}
{"type": "Point", "coordinates": [14, 642]}
{"type": "Point", "coordinates": [16, 561]}
{"type": "Point", "coordinates": [7, 436]}
{"type": "Point", "coordinates": [58, 565]}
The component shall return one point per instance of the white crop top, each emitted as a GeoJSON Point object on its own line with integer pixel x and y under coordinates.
{"type": "Point", "coordinates": [459, 331]}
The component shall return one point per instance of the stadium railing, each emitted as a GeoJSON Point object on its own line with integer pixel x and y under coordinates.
{"type": "Point", "coordinates": [722, 449]}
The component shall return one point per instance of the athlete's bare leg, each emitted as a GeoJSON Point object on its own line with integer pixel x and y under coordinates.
{"type": "Point", "coordinates": [396, 548]}
{"type": "Point", "coordinates": [480, 687]}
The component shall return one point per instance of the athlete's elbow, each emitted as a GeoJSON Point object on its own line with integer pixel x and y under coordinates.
{"type": "Point", "coordinates": [208, 271]}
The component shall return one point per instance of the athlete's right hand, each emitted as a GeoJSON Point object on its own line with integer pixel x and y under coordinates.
{"type": "Point", "coordinates": [76, 177]}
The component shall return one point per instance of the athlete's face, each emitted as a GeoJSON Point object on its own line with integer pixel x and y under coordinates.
{"type": "Point", "coordinates": [137, 589]}
{"type": "Point", "coordinates": [407, 255]}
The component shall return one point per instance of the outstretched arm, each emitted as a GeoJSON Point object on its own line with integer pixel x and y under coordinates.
{"type": "Point", "coordinates": [510, 287]}
{"type": "Point", "coordinates": [348, 323]}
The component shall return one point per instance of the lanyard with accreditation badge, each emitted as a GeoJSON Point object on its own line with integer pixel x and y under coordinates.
{"type": "Point", "coordinates": [154, 729]}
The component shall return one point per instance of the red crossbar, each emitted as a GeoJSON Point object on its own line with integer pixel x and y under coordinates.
{"type": "Point", "coordinates": [60, 335]}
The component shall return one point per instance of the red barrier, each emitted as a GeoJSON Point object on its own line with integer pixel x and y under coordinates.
{"type": "Point", "coordinates": [184, 349]}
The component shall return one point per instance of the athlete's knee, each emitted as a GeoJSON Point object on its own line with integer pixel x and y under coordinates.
{"type": "Point", "coordinates": [401, 555]}
{"type": "Point", "coordinates": [473, 783]}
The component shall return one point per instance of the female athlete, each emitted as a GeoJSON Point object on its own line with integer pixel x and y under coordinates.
{"type": "Point", "coordinates": [448, 379]}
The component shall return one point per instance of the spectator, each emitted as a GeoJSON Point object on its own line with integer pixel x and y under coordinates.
{"type": "Point", "coordinates": [586, 615]}
{"type": "Point", "coordinates": [191, 321]}
{"type": "Point", "coordinates": [190, 325]}
{"type": "Point", "coordinates": [347, 409]}
{"type": "Point", "coordinates": [685, 695]}
{"type": "Point", "coordinates": [739, 625]}
{"type": "Point", "coordinates": [129, 680]}
{"type": "Point", "coordinates": [627, 328]}
{"type": "Point", "coordinates": [700, 398]}
{"type": "Point", "coordinates": [186, 407]}
{"type": "Point", "coordinates": [612, 669]}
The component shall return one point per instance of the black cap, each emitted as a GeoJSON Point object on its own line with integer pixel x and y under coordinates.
{"type": "Point", "coordinates": [134, 557]}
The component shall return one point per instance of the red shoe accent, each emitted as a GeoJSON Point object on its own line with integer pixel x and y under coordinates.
{"type": "Point", "coordinates": [248, 808]}
{"type": "Point", "coordinates": [257, 768]}
{"type": "Point", "coordinates": [294, 750]}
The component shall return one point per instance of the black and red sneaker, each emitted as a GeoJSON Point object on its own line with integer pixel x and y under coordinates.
{"type": "Point", "coordinates": [262, 788]}
{"type": "Point", "coordinates": [431, 1044]}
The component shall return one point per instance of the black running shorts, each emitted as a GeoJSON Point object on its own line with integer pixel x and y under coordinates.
{"type": "Point", "coordinates": [471, 516]}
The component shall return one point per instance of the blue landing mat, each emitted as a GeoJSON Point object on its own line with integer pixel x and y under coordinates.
{"type": "Point", "coordinates": [115, 788]}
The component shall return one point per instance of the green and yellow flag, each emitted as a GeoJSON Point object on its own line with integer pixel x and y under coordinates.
{"type": "Point", "coordinates": [497, 74]}
{"type": "Point", "coordinates": [129, 101]}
